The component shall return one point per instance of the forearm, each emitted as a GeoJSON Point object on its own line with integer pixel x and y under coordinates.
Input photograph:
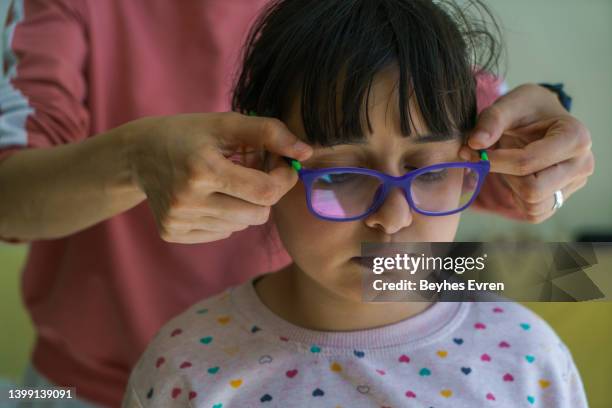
{"type": "Point", "coordinates": [53, 192]}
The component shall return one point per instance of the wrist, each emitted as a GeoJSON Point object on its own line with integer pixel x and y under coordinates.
{"type": "Point", "coordinates": [557, 89]}
{"type": "Point", "coordinates": [125, 148]}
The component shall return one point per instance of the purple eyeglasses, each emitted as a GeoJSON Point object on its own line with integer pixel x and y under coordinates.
{"type": "Point", "coordinates": [353, 193]}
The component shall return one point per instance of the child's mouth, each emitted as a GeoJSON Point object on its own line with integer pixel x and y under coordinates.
{"type": "Point", "coordinates": [364, 261]}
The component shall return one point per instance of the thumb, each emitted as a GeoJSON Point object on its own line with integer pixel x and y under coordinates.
{"type": "Point", "coordinates": [262, 132]}
{"type": "Point", "coordinates": [509, 111]}
{"type": "Point", "coordinates": [489, 127]}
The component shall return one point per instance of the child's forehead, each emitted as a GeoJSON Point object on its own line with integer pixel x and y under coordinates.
{"type": "Point", "coordinates": [380, 122]}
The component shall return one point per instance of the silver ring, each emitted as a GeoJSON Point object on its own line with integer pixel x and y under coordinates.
{"type": "Point", "coordinates": [558, 199]}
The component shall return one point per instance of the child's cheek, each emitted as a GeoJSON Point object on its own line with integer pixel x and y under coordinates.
{"type": "Point", "coordinates": [314, 244]}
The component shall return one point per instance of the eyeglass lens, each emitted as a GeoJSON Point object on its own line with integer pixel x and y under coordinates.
{"type": "Point", "coordinates": [341, 195]}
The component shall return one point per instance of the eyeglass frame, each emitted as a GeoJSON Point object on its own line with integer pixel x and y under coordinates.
{"type": "Point", "coordinates": [307, 176]}
{"type": "Point", "coordinates": [389, 182]}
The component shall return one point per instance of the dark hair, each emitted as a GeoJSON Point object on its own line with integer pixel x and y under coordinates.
{"type": "Point", "coordinates": [329, 49]}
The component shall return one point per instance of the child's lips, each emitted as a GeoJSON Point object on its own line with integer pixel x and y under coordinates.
{"type": "Point", "coordinates": [365, 261]}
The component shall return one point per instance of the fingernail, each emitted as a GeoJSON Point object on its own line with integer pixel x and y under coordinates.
{"type": "Point", "coordinates": [479, 138]}
{"type": "Point", "coordinates": [300, 147]}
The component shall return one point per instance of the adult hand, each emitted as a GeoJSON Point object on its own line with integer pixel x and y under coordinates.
{"type": "Point", "coordinates": [535, 147]}
{"type": "Point", "coordinates": [196, 192]}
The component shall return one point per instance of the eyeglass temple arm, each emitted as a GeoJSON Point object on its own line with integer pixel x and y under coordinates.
{"type": "Point", "coordinates": [293, 163]}
{"type": "Point", "coordinates": [297, 165]}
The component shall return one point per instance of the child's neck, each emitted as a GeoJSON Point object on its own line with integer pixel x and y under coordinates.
{"type": "Point", "coordinates": [295, 297]}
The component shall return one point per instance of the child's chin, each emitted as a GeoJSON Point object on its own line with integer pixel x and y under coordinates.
{"type": "Point", "coordinates": [350, 284]}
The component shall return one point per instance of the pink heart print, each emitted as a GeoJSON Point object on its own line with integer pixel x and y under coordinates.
{"type": "Point", "coordinates": [159, 362]}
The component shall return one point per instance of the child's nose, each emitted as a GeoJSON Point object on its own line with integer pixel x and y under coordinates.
{"type": "Point", "coordinates": [393, 215]}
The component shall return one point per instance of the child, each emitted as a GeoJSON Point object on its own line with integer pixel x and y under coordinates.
{"type": "Point", "coordinates": [365, 82]}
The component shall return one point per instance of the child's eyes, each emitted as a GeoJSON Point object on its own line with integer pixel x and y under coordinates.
{"type": "Point", "coordinates": [337, 178]}
{"type": "Point", "coordinates": [432, 176]}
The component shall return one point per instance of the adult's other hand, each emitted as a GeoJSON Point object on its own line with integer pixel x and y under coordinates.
{"type": "Point", "coordinates": [535, 147]}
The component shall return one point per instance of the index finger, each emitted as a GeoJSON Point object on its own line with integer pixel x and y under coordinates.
{"type": "Point", "coordinates": [262, 132]}
{"type": "Point", "coordinates": [519, 107]}
{"type": "Point", "coordinates": [250, 184]}
{"type": "Point", "coordinates": [558, 144]}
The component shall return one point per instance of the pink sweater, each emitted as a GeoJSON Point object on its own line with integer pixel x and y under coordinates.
{"type": "Point", "coordinates": [231, 351]}
{"type": "Point", "coordinates": [76, 68]}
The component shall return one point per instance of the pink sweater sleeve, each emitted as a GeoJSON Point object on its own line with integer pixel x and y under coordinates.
{"type": "Point", "coordinates": [43, 89]}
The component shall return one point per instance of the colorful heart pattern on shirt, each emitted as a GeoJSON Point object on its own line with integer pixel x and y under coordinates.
{"type": "Point", "coordinates": [544, 383]}
{"type": "Point", "coordinates": [363, 389]}
{"type": "Point", "coordinates": [410, 394]}
{"type": "Point", "coordinates": [504, 344]}
{"type": "Point", "coordinates": [424, 372]}
{"type": "Point", "coordinates": [265, 359]}
{"type": "Point", "coordinates": [223, 320]}
{"type": "Point", "coordinates": [159, 362]}
{"type": "Point", "coordinates": [344, 367]}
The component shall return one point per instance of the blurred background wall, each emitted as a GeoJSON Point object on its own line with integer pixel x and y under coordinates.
{"type": "Point", "coordinates": [571, 42]}
{"type": "Point", "coordinates": [548, 41]}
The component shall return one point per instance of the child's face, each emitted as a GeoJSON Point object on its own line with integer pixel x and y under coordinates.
{"type": "Point", "coordinates": [323, 249]}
